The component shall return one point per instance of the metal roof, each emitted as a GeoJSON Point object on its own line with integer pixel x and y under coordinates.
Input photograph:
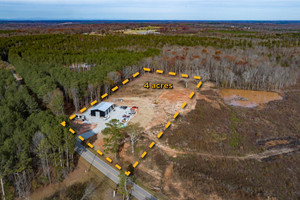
{"type": "Point", "coordinates": [103, 106]}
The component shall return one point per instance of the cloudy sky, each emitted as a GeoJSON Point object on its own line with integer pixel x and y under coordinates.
{"type": "Point", "coordinates": [151, 9]}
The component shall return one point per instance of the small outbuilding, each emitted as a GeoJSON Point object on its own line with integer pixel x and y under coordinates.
{"type": "Point", "coordinates": [102, 109]}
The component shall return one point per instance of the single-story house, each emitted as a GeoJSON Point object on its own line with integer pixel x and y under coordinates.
{"type": "Point", "coordinates": [102, 109]}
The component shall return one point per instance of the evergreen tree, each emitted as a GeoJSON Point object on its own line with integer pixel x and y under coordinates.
{"type": "Point", "coordinates": [113, 137]}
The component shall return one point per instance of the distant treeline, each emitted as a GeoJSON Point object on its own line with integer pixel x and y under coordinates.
{"type": "Point", "coordinates": [79, 68]}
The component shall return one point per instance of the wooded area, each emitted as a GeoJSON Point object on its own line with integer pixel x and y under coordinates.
{"type": "Point", "coordinates": [34, 150]}
{"type": "Point", "coordinates": [77, 69]}
{"type": "Point", "coordinates": [65, 72]}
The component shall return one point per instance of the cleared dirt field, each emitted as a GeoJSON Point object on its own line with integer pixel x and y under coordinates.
{"type": "Point", "coordinates": [218, 151]}
{"type": "Point", "coordinates": [156, 106]}
{"type": "Point", "coordinates": [212, 147]}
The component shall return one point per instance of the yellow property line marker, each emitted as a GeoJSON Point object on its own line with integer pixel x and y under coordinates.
{"type": "Point", "coordinates": [94, 102]}
{"type": "Point", "coordinates": [126, 81]}
{"type": "Point", "coordinates": [90, 145]}
{"type": "Point", "coordinates": [144, 154]}
{"type": "Point", "coordinates": [103, 96]}
{"type": "Point", "coordinates": [160, 134]}
{"type": "Point", "coordinates": [99, 152]}
{"type": "Point", "coordinates": [191, 95]}
{"type": "Point", "coordinates": [199, 84]}
{"type": "Point", "coordinates": [71, 130]}
{"type": "Point", "coordinates": [115, 88]}
{"type": "Point", "coordinates": [127, 173]}
{"type": "Point", "coordinates": [184, 75]}
{"type": "Point", "coordinates": [151, 145]}
{"type": "Point", "coordinates": [81, 138]}
{"type": "Point", "coordinates": [83, 109]}
{"type": "Point", "coordinates": [168, 124]}
{"type": "Point", "coordinates": [72, 117]}
{"type": "Point", "coordinates": [176, 114]}
{"type": "Point", "coordinates": [135, 164]}
{"type": "Point", "coordinates": [159, 71]}
{"type": "Point", "coordinates": [118, 166]}
{"type": "Point", "coordinates": [147, 69]}
{"type": "Point", "coordinates": [136, 74]}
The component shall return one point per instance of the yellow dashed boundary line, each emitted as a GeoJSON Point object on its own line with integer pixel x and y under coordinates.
{"type": "Point", "coordinates": [159, 135]}
{"type": "Point", "coordinates": [103, 96]}
{"type": "Point", "coordinates": [90, 145]}
{"type": "Point", "coordinates": [126, 81]}
{"type": "Point", "coordinates": [199, 84]}
{"type": "Point", "coordinates": [184, 75]}
{"type": "Point", "coordinates": [135, 164]}
{"type": "Point", "coordinates": [151, 145]}
{"type": "Point", "coordinates": [72, 131]}
{"type": "Point", "coordinates": [136, 74]}
{"type": "Point", "coordinates": [191, 95]}
{"type": "Point", "coordinates": [83, 109]}
{"type": "Point", "coordinates": [127, 173]}
{"type": "Point", "coordinates": [99, 152]}
{"type": "Point", "coordinates": [168, 124]}
{"type": "Point", "coordinates": [176, 114]}
{"type": "Point", "coordinates": [118, 167]}
{"type": "Point", "coordinates": [144, 154]}
{"type": "Point", "coordinates": [108, 159]}
{"type": "Point", "coordinates": [115, 89]}
{"type": "Point", "coordinates": [159, 71]}
{"type": "Point", "coordinates": [81, 138]}
{"type": "Point", "coordinates": [94, 102]}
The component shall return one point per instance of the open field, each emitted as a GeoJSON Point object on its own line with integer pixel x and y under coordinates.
{"type": "Point", "coordinates": [226, 152]}
{"type": "Point", "coordinates": [155, 106]}
{"type": "Point", "coordinates": [213, 132]}
{"type": "Point", "coordinates": [218, 134]}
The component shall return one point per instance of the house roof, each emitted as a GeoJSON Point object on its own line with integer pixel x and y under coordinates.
{"type": "Point", "coordinates": [103, 106]}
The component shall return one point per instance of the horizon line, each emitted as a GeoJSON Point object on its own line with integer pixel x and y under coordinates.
{"type": "Point", "coordinates": [148, 20]}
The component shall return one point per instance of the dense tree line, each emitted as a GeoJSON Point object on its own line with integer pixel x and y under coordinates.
{"type": "Point", "coordinates": [234, 68]}
{"type": "Point", "coordinates": [79, 68]}
{"type": "Point", "coordinates": [47, 63]}
{"type": "Point", "coordinates": [34, 149]}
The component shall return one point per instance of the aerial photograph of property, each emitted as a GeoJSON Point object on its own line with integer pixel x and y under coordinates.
{"type": "Point", "coordinates": [150, 100]}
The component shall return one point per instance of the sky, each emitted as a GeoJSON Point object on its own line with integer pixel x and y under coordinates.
{"type": "Point", "coordinates": [150, 9]}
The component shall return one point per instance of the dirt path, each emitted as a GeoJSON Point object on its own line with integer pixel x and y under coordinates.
{"type": "Point", "coordinates": [260, 156]}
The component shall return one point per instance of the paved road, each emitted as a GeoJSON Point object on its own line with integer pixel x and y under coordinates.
{"type": "Point", "coordinates": [110, 172]}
